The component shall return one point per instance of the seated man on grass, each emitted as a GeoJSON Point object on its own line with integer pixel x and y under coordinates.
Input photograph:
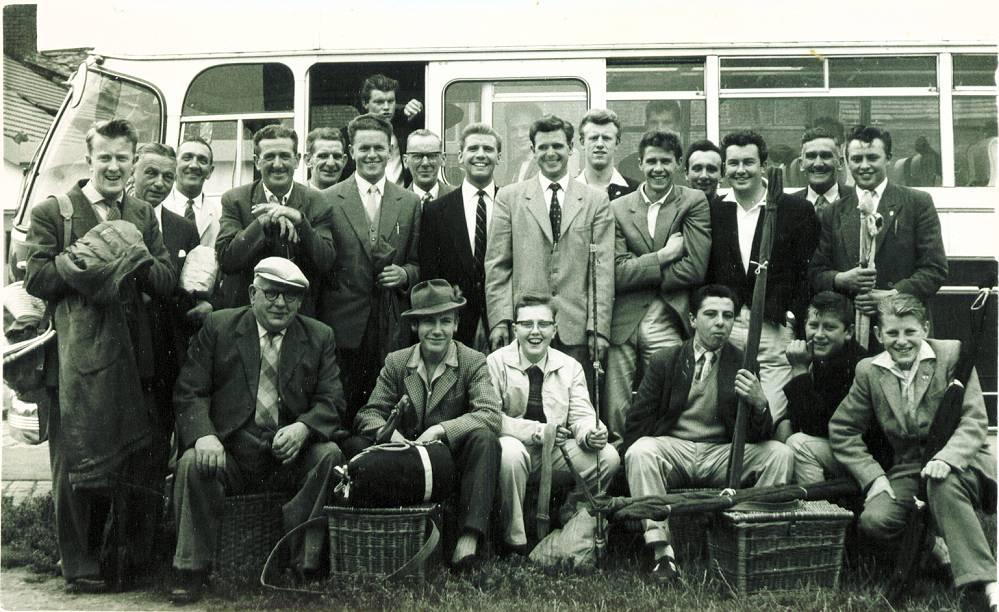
{"type": "Point", "coordinates": [901, 390]}
{"type": "Point", "coordinates": [679, 430]}
{"type": "Point", "coordinates": [543, 392]}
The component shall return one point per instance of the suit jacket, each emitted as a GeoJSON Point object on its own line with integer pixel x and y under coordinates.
{"type": "Point", "coordinates": [445, 252]}
{"type": "Point", "coordinates": [463, 398]}
{"type": "Point", "coordinates": [662, 396]}
{"type": "Point", "coordinates": [243, 242]}
{"type": "Point", "coordinates": [787, 278]}
{"type": "Point", "coordinates": [442, 188]}
{"type": "Point", "coordinates": [216, 392]}
{"type": "Point", "coordinates": [638, 277]}
{"type": "Point", "coordinates": [521, 257]}
{"type": "Point", "coordinates": [910, 253]}
{"type": "Point", "coordinates": [351, 289]}
{"type": "Point", "coordinates": [208, 230]}
{"type": "Point", "coordinates": [45, 240]}
{"type": "Point", "coordinates": [875, 397]}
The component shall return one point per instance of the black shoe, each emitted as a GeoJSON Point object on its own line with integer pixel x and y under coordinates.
{"type": "Point", "coordinates": [467, 565]}
{"type": "Point", "coordinates": [665, 570]}
{"type": "Point", "coordinates": [514, 550]}
{"type": "Point", "coordinates": [86, 585]}
{"type": "Point", "coordinates": [188, 587]}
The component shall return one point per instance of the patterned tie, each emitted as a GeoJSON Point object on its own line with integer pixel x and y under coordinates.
{"type": "Point", "coordinates": [555, 213]}
{"type": "Point", "coordinates": [480, 230]}
{"type": "Point", "coordinates": [535, 407]}
{"type": "Point", "coordinates": [820, 202]}
{"type": "Point", "coordinates": [189, 212]}
{"type": "Point", "coordinates": [371, 203]}
{"type": "Point", "coordinates": [266, 416]}
{"type": "Point", "coordinates": [425, 200]}
{"type": "Point", "coordinates": [114, 212]}
{"type": "Point", "coordinates": [703, 367]}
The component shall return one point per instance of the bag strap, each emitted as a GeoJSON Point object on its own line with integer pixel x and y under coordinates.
{"type": "Point", "coordinates": [66, 211]}
{"type": "Point", "coordinates": [545, 487]}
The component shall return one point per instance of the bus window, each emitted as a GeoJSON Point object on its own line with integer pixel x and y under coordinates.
{"type": "Point", "coordinates": [511, 107]}
{"type": "Point", "coordinates": [975, 136]}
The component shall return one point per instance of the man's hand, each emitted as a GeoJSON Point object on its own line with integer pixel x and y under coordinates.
{"type": "Point", "coordinates": [277, 210]}
{"type": "Point", "coordinates": [289, 440]}
{"type": "Point", "coordinates": [748, 387]}
{"type": "Point", "coordinates": [434, 432]}
{"type": "Point", "coordinates": [602, 345]}
{"type": "Point", "coordinates": [500, 336]}
{"type": "Point", "coordinates": [856, 280]}
{"type": "Point", "coordinates": [413, 108]}
{"type": "Point", "coordinates": [672, 251]}
{"type": "Point", "coordinates": [596, 440]}
{"type": "Point", "coordinates": [879, 486]}
{"type": "Point", "coordinates": [562, 433]}
{"type": "Point", "coordinates": [935, 469]}
{"type": "Point", "coordinates": [867, 303]}
{"type": "Point", "coordinates": [392, 276]}
{"type": "Point", "coordinates": [799, 355]}
{"type": "Point", "coordinates": [201, 310]}
{"type": "Point", "coordinates": [286, 230]}
{"type": "Point", "coordinates": [209, 455]}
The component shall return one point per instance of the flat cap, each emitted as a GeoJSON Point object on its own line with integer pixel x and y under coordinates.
{"type": "Point", "coordinates": [281, 270]}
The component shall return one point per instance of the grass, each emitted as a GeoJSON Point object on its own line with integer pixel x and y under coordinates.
{"type": "Point", "coordinates": [515, 584]}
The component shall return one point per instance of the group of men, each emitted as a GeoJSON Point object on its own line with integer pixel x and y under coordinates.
{"type": "Point", "coordinates": [517, 296]}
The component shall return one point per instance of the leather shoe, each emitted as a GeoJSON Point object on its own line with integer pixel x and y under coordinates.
{"type": "Point", "coordinates": [665, 569]}
{"type": "Point", "coordinates": [187, 588]}
{"type": "Point", "coordinates": [467, 565]}
{"type": "Point", "coordinates": [87, 585]}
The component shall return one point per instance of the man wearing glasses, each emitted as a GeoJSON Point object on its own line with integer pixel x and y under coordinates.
{"type": "Point", "coordinates": [326, 157]}
{"type": "Point", "coordinates": [279, 432]}
{"type": "Point", "coordinates": [424, 160]}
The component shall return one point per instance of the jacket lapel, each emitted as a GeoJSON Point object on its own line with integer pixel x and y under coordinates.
{"type": "Point", "coordinates": [728, 365]}
{"type": "Point", "coordinates": [890, 387]}
{"type": "Point", "coordinates": [447, 380]}
{"type": "Point", "coordinates": [291, 351]}
{"type": "Point", "coordinates": [891, 201]}
{"type": "Point", "coordinates": [924, 376]}
{"type": "Point", "coordinates": [353, 209]}
{"type": "Point", "coordinates": [84, 216]}
{"type": "Point", "coordinates": [389, 214]}
{"type": "Point", "coordinates": [454, 213]}
{"type": "Point", "coordinates": [248, 345]}
{"type": "Point", "coordinates": [684, 377]}
{"type": "Point", "coordinates": [639, 218]}
{"type": "Point", "coordinates": [849, 223]}
{"type": "Point", "coordinates": [573, 205]}
{"type": "Point", "coordinates": [536, 206]}
{"type": "Point", "coordinates": [668, 213]}
{"type": "Point", "coordinates": [417, 394]}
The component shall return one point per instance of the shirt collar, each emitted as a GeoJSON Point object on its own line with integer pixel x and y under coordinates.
{"type": "Point", "coordinates": [831, 195]}
{"type": "Point", "coordinates": [700, 349]}
{"type": "Point", "coordinates": [880, 189]}
{"type": "Point", "coordinates": [94, 196]}
{"type": "Point", "coordinates": [562, 182]}
{"type": "Point", "coordinates": [524, 363]}
{"type": "Point", "coordinates": [470, 191]}
{"type": "Point", "coordinates": [177, 196]}
{"type": "Point", "coordinates": [433, 191]}
{"type": "Point", "coordinates": [730, 197]}
{"type": "Point", "coordinates": [261, 332]}
{"type": "Point", "coordinates": [269, 195]}
{"type": "Point", "coordinates": [363, 184]}
{"type": "Point", "coordinates": [450, 360]}
{"type": "Point", "coordinates": [885, 361]}
{"type": "Point", "coordinates": [661, 200]}
{"type": "Point", "coordinates": [616, 178]}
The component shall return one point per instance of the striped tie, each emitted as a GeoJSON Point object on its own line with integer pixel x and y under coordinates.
{"type": "Point", "coordinates": [480, 231]}
{"type": "Point", "coordinates": [555, 213]}
{"type": "Point", "coordinates": [114, 213]}
{"type": "Point", "coordinates": [266, 416]}
{"type": "Point", "coordinates": [189, 212]}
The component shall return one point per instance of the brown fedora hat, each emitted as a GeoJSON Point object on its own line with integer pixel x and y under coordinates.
{"type": "Point", "coordinates": [433, 297]}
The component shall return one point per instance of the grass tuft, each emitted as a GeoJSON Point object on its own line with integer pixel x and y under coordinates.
{"type": "Point", "coordinates": [27, 534]}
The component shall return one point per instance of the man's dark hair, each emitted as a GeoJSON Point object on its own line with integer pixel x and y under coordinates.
{"type": "Point", "coordinates": [700, 145]}
{"type": "Point", "coordinates": [379, 82]}
{"type": "Point", "coordinates": [656, 107]}
{"type": "Point", "coordinates": [815, 133]}
{"type": "Point", "coordinates": [155, 148]}
{"type": "Point", "coordinates": [551, 123]}
{"type": "Point", "coordinates": [600, 116]}
{"type": "Point", "coordinates": [323, 133]}
{"type": "Point", "coordinates": [273, 132]}
{"type": "Point", "coordinates": [369, 122]}
{"type": "Point", "coordinates": [833, 303]}
{"type": "Point", "coordinates": [744, 138]}
{"type": "Point", "coordinates": [719, 291]}
{"type": "Point", "coordinates": [535, 299]}
{"type": "Point", "coordinates": [201, 141]}
{"type": "Point", "coordinates": [868, 133]}
{"type": "Point", "coordinates": [114, 128]}
{"type": "Point", "coordinates": [667, 141]}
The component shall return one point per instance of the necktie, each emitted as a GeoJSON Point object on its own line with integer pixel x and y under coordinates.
{"type": "Point", "coordinates": [189, 212]}
{"type": "Point", "coordinates": [425, 200]}
{"type": "Point", "coordinates": [266, 416]}
{"type": "Point", "coordinates": [555, 213]}
{"type": "Point", "coordinates": [114, 213]}
{"type": "Point", "coordinates": [820, 202]}
{"type": "Point", "coordinates": [703, 367]}
{"type": "Point", "coordinates": [480, 230]}
{"type": "Point", "coordinates": [371, 208]}
{"type": "Point", "coordinates": [535, 407]}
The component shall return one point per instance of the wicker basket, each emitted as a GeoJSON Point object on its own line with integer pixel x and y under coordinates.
{"type": "Point", "coordinates": [689, 532]}
{"type": "Point", "coordinates": [251, 526]}
{"type": "Point", "coordinates": [378, 541]}
{"type": "Point", "coordinates": [797, 545]}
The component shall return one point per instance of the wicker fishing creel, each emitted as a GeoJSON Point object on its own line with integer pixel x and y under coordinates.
{"type": "Point", "coordinates": [378, 541]}
{"type": "Point", "coordinates": [251, 526]}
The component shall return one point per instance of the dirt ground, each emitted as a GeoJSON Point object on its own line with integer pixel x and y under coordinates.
{"type": "Point", "coordinates": [22, 589]}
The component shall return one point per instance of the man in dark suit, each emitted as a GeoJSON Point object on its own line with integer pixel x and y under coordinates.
{"type": "Point", "coordinates": [259, 406]}
{"type": "Point", "coordinates": [540, 241]}
{"type": "Point", "coordinates": [663, 239]}
{"type": "Point", "coordinates": [454, 231]}
{"type": "Point", "coordinates": [376, 229]}
{"type": "Point", "coordinates": [424, 158]}
{"type": "Point", "coordinates": [78, 512]}
{"type": "Point", "coordinates": [736, 230]}
{"type": "Point", "coordinates": [679, 430]}
{"type": "Point", "coordinates": [274, 216]}
{"type": "Point", "coordinates": [447, 386]}
{"type": "Point", "coordinates": [909, 251]}
{"type": "Point", "coordinates": [821, 162]}
{"type": "Point", "coordinates": [704, 168]}
{"type": "Point", "coordinates": [599, 135]}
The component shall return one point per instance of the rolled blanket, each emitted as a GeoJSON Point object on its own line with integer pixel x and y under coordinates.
{"type": "Point", "coordinates": [200, 271]}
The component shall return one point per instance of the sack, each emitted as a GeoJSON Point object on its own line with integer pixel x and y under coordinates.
{"type": "Point", "coordinates": [199, 272]}
{"type": "Point", "coordinates": [397, 474]}
{"type": "Point", "coordinates": [572, 546]}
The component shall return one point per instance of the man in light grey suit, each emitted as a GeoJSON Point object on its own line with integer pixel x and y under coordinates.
{"type": "Point", "coordinates": [376, 228]}
{"type": "Point", "coordinates": [662, 244]}
{"type": "Point", "coordinates": [424, 158]}
{"type": "Point", "coordinates": [540, 241]}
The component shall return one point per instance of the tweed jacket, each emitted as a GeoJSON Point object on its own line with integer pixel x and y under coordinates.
{"type": "Point", "coordinates": [638, 277]}
{"type": "Point", "coordinates": [564, 394]}
{"type": "Point", "coordinates": [463, 398]}
{"type": "Point", "coordinates": [521, 257]}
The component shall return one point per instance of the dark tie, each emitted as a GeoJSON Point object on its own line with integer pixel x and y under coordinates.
{"type": "Point", "coordinates": [266, 416]}
{"type": "Point", "coordinates": [555, 213]}
{"type": "Point", "coordinates": [480, 230]}
{"type": "Point", "coordinates": [114, 213]}
{"type": "Point", "coordinates": [189, 212]}
{"type": "Point", "coordinates": [535, 407]}
{"type": "Point", "coordinates": [425, 200]}
{"type": "Point", "coordinates": [820, 202]}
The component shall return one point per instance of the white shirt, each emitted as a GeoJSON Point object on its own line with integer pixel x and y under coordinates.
{"type": "Point", "coordinates": [278, 338]}
{"type": "Point", "coordinates": [876, 193]}
{"type": "Point", "coordinates": [562, 182]}
{"type": "Point", "coordinates": [525, 363]}
{"type": "Point", "coordinates": [708, 361]}
{"type": "Point", "coordinates": [362, 187]}
{"type": "Point", "coordinates": [205, 213]}
{"type": "Point", "coordinates": [747, 221]}
{"type": "Point", "coordinates": [831, 195]}
{"type": "Point", "coordinates": [273, 199]}
{"type": "Point", "coordinates": [653, 213]}
{"type": "Point", "coordinates": [97, 201]}
{"type": "Point", "coordinates": [433, 193]}
{"type": "Point", "coordinates": [470, 202]}
{"type": "Point", "coordinates": [616, 178]}
{"type": "Point", "coordinates": [906, 378]}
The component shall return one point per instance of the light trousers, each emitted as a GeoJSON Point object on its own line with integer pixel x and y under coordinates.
{"type": "Point", "coordinates": [775, 371]}
{"type": "Point", "coordinates": [813, 458]}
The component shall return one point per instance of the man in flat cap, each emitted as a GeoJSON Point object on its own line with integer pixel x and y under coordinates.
{"type": "Point", "coordinates": [279, 431]}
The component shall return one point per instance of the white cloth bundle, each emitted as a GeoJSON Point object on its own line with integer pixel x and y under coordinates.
{"type": "Point", "coordinates": [200, 270]}
{"type": "Point", "coordinates": [26, 309]}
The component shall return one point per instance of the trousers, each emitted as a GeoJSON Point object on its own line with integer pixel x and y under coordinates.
{"type": "Point", "coordinates": [813, 458]}
{"type": "Point", "coordinates": [775, 371]}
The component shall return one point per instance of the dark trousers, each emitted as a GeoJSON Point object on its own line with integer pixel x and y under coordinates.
{"type": "Point", "coordinates": [250, 468]}
{"type": "Point", "coordinates": [359, 368]}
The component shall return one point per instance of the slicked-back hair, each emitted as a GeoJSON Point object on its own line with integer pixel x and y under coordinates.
{"type": "Point", "coordinates": [667, 141]}
{"type": "Point", "coordinates": [700, 145]}
{"type": "Point", "coordinates": [552, 123]}
{"type": "Point", "coordinates": [323, 133]}
{"type": "Point", "coordinates": [718, 291]}
{"type": "Point", "coordinates": [482, 129]}
{"type": "Point", "coordinates": [205, 143]}
{"type": "Point", "coordinates": [379, 82]}
{"type": "Point", "coordinates": [111, 129]}
{"type": "Point", "coordinates": [902, 305]}
{"type": "Point", "coordinates": [815, 133]}
{"type": "Point", "coordinates": [831, 125]}
{"type": "Point", "coordinates": [600, 116]}
{"type": "Point", "coordinates": [535, 299]}
{"type": "Point", "coordinates": [744, 138]}
{"type": "Point", "coordinates": [274, 132]}
{"type": "Point", "coordinates": [833, 303]}
{"type": "Point", "coordinates": [868, 133]}
{"type": "Point", "coordinates": [657, 107]}
{"type": "Point", "coordinates": [369, 122]}
{"type": "Point", "coordinates": [155, 148]}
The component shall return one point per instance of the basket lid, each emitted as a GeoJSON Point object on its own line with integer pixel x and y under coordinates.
{"type": "Point", "coordinates": [796, 510]}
